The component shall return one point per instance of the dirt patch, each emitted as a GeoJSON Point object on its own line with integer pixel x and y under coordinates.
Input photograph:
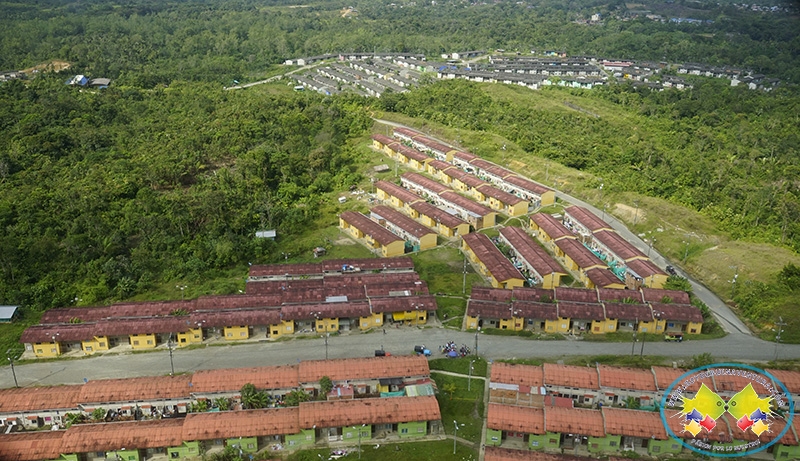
{"type": "Point", "coordinates": [627, 213]}
{"type": "Point", "coordinates": [51, 66]}
{"type": "Point", "coordinates": [344, 241]}
{"type": "Point", "coordinates": [517, 164]}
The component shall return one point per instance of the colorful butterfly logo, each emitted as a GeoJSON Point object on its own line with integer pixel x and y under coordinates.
{"type": "Point", "coordinates": [703, 411]}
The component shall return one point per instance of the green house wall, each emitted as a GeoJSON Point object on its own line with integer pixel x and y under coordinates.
{"type": "Point", "coordinates": [662, 447]}
{"type": "Point", "coordinates": [412, 429]}
{"type": "Point", "coordinates": [124, 455]}
{"type": "Point", "coordinates": [787, 452]}
{"type": "Point", "coordinates": [494, 437]}
{"type": "Point", "coordinates": [304, 438]}
{"type": "Point", "coordinates": [246, 444]}
{"type": "Point", "coordinates": [187, 449]}
{"type": "Point", "coordinates": [544, 441]}
{"type": "Point", "coordinates": [351, 433]}
{"type": "Point", "coordinates": [70, 457]}
{"type": "Point", "coordinates": [604, 444]}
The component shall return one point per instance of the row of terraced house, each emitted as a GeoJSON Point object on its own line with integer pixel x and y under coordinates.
{"type": "Point", "coordinates": [581, 310]}
{"type": "Point", "coordinates": [280, 299]}
{"type": "Point", "coordinates": [151, 418]}
{"type": "Point", "coordinates": [573, 409]}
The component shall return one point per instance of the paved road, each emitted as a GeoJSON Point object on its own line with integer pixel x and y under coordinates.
{"type": "Point", "coordinates": [396, 341]}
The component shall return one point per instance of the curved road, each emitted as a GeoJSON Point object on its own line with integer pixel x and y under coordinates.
{"type": "Point", "coordinates": [738, 345]}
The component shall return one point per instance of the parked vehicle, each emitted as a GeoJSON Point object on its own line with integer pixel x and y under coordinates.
{"type": "Point", "coordinates": [422, 350]}
{"type": "Point", "coordinates": [671, 270]}
{"type": "Point", "coordinates": [675, 337]}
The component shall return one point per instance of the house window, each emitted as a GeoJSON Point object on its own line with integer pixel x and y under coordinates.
{"type": "Point", "coordinates": [88, 348]}
{"type": "Point", "coordinates": [174, 455]}
{"type": "Point", "coordinates": [196, 336]}
{"type": "Point", "coordinates": [274, 332]}
{"type": "Point", "coordinates": [53, 350]}
{"type": "Point", "coordinates": [136, 342]}
{"type": "Point", "coordinates": [230, 334]}
{"type": "Point", "coordinates": [670, 325]}
{"type": "Point", "coordinates": [38, 351]}
{"type": "Point", "coordinates": [420, 429]}
{"type": "Point", "coordinates": [553, 441]}
{"type": "Point", "coordinates": [675, 446]}
{"type": "Point", "coordinates": [612, 443]}
{"type": "Point", "coordinates": [250, 446]}
{"type": "Point", "coordinates": [309, 436]}
{"type": "Point", "coordinates": [595, 446]}
{"type": "Point", "coordinates": [149, 342]}
{"type": "Point", "coordinates": [102, 344]}
{"type": "Point", "coordinates": [183, 340]}
{"type": "Point", "coordinates": [785, 454]}
{"type": "Point", "coordinates": [404, 430]}
{"type": "Point", "coordinates": [242, 333]}
{"type": "Point", "coordinates": [693, 330]}
{"type": "Point", "coordinates": [192, 449]}
{"type": "Point", "coordinates": [656, 449]}
{"type": "Point", "coordinates": [291, 443]}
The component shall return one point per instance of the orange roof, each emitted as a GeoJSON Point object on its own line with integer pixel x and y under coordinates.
{"type": "Point", "coordinates": [249, 423]}
{"type": "Point", "coordinates": [790, 379]}
{"type": "Point", "coordinates": [574, 421]}
{"type": "Point", "coordinates": [83, 438]}
{"type": "Point", "coordinates": [526, 375]}
{"type": "Point", "coordinates": [626, 378]}
{"type": "Point", "coordinates": [734, 384]}
{"type": "Point", "coordinates": [363, 368]}
{"type": "Point", "coordinates": [128, 389]}
{"type": "Point", "coordinates": [720, 432]}
{"type": "Point", "coordinates": [515, 419]}
{"type": "Point", "coordinates": [39, 398]}
{"type": "Point", "coordinates": [665, 376]}
{"type": "Point", "coordinates": [232, 379]}
{"type": "Point", "coordinates": [571, 376]}
{"type": "Point", "coordinates": [634, 423]}
{"type": "Point", "coordinates": [31, 446]}
{"type": "Point", "coordinates": [391, 410]}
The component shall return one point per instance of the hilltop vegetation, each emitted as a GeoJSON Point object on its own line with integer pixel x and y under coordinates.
{"type": "Point", "coordinates": [164, 176]}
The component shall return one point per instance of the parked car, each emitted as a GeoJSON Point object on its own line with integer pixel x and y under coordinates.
{"type": "Point", "coordinates": [422, 350]}
{"type": "Point", "coordinates": [674, 337]}
{"type": "Point", "coordinates": [671, 270]}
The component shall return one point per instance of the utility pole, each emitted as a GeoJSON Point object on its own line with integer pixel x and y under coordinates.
{"type": "Point", "coordinates": [779, 330]}
{"type": "Point", "coordinates": [464, 283]}
{"type": "Point", "coordinates": [13, 372]}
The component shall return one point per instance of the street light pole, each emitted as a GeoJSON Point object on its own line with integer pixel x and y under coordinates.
{"type": "Point", "coordinates": [170, 348]}
{"type": "Point", "coordinates": [14, 373]}
{"type": "Point", "coordinates": [326, 345]}
{"type": "Point", "coordinates": [478, 330]}
{"type": "Point", "coordinates": [359, 440]}
{"type": "Point", "coordinates": [455, 435]}
{"type": "Point", "coordinates": [633, 344]}
{"type": "Point", "coordinates": [469, 380]}
{"type": "Point", "coordinates": [780, 326]}
{"type": "Point", "coordinates": [464, 283]}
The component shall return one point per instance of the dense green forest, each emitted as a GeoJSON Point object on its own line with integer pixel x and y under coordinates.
{"type": "Point", "coordinates": [164, 176]}
{"type": "Point", "coordinates": [102, 194]}
{"type": "Point", "coordinates": [145, 42]}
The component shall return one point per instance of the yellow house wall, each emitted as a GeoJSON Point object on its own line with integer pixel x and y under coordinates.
{"type": "Point", "coordinates": [548, 198]}
{"type": "Point", "coordinates": [393, 249]}
{"type": "Point", "coordinates": [562, 325]}
{"type": "Point", "coordinates": [236, 333]}
{"type": "Point", "coordinates": [286, 327]}
{"type": "Point", "coordinates": [327, 325]}
{"type": "Point", "coordinates": [517, 210]}
{"type": "Point", "coordinates": [377, 144]}
{"type": "Point", "coordinates": [143, 341]}
{"type": "Point", "coordinates": [511, 283]}
{"type": "Point", "coordinates": [460, 186]}
{"type": "Point", "coordinates": [551, 326]}
{"type": "Point", "coordinates": [471, 323]}
{"type": "Point", "coordinates": [694, 328]}
{"type": "Point", "coordinates": [656, 281]}
{"type": "Point", "coordinates": [652, 326]}
{"type": "Point", "coordinates": [551, 280]}
{"type": "Point", "coordinates": [98, 343]}
{"type": "Point", "coordinates": [570, 264]}
{"type": "Point", "coordinates": [427, 241]}
{"type": "Point", "coordinates": [371, 321]}
{"type": "Point", "coordinates": [489, 219]}
{"type": "Point", "coordinates": [193, 336]}
{"type": "Point", "coordinates": [477, 195]}
{"type": "Point", "coordinates": [47, 349]}
{"type": "Point", "coordinates": [462, 229]}
{"type": "Point", "coordinates": [382, 194]}
{"type": "Point", "coordinates": [603, 326]}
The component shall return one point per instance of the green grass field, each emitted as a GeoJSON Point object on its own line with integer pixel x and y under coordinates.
{"type": "Point", "coordinates": [410, 451]}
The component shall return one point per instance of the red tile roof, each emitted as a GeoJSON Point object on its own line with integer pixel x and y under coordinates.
{"type": "Point", "coordinates": [383, 139]}
{"type": "Point", "coordinates": [325, 310]}
{"type": "Point", "coordinates": [440, 165]}
{"type": "Point", "coordinates": [31, 446]}
{"type": "Point", "coordinates": [468, 179]}
{"type": "Point", "coordinates": [570, 376]}
{"type": "Point", "coordinates": [534, 310]}
{"type": "Point", "coordinates": [534, 294]}
{"type": "Point", "coordinates": [790, 379]}
{"type": "Point", "coordinates": [603, 277]}
{"type": "Point", "coordinates": [657, 295]}
{"type": "Point", "coordinates": [586, 218]}
{"type": "Point", "coordinates": [460, 201]}
{"type": "Point", "coordinates": [259, 294]}
{"type": "Point", "coordinates": [490, 294]}
{"type": "Point", "coordinates": [525, 375]}
{"type": "Point", "coordinates": [400, 220]}
{"type": "Point", "coordinates": [507, 454]}
{"type": "Point", "coordinates": [677, 312]}
{"type": "Point", "coordinates": [391, 410]}
{"type": "Point", "coordinates": [232, 379]}
{"type": "Point", "coordinates": [578, 295]}
{"type": "Point", "coordinates": [83, 438]}
{"type": "Point", "coordinates": [408, 132]}
{"type": "Point", "coordinates": [574, 421]}
{"type": "Point", "coordinates": [466, 156]}
{"type": "Point", "coordinates": [619, 295]}
{"type": "Point", "coordinates": [66, 314]}
{"type": "Point", "coordinates": [634, 423]}
{"type": "Point", "coordinates": [626, 378]}
{"type": "Point", "coordinates": [489, 309]}
{"type": "Point", "coordinates": [494, 260]}
{"type": "Point", "coordinates": [551, 226]}
{"type": "Point", "coordinates": [437, 214]}
{"type": "Point", "coordinates": [580, 311]}
{"type": "Point", "coordinates": [618, 245]}
{"type": "Point", "coordinates": [19, 399]}
{"type": "Point", "coordinates": [665, 377]}
{"type": "Point", "coordinates": [399, 263]}
{"type": "Point", "coordinates": [403, 303]}
{"type": "Point", "coordinates": [250, 423]}
{"type": "Point", "coordinates": [500, 195]}
{"type": "Point", "coordinates": [622, 311]}
{"type": "Point", "coordinates": [530, 251]}
{"type": "Point", "coordinates": [425, 182]}
{"type": "Point", "coordinates": [527, 185]}
{"type": "Point", "coordinates": [363, 368]}
{"type": "Point", "coordinates": [579, 253]}
{"type": "Point", "coordinates": [433, 144]}
{"type": "Point", "coordinates": [266, 316]}
{"type": "Point", "coordinates": [131, 389]}
{"type": "Point", "coordinates": [409, 152]}
{"type": "Point", "coordinates": [515, 419]}
{"type": "Point", "coordinates": [369, 227]}
{"type": "Point", "coordinates": [644, 268]}
{"type": "Point", "coordinates": [401, 193]}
